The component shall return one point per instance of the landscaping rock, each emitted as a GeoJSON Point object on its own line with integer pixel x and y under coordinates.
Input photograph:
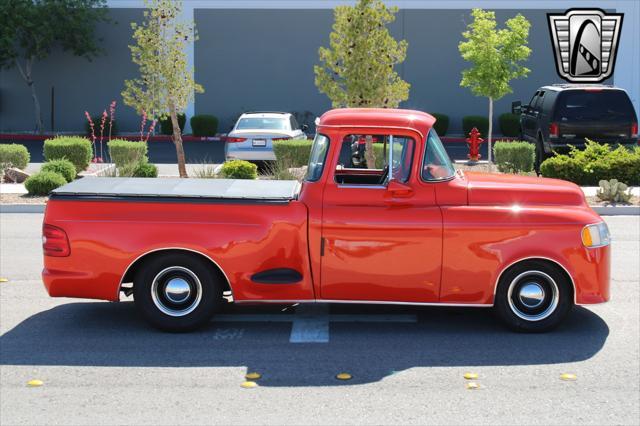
{"type": "Point", "coordinates": [15, 175]}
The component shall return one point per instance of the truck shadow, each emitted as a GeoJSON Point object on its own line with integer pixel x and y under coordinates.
{"type": "Point", "coordinates": [110, 334]}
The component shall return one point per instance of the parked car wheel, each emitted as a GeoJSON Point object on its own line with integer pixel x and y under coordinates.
{"type": "Point", "coordinates": [533, 296]}
{"type": "Point", "coordinates": [177, 292]}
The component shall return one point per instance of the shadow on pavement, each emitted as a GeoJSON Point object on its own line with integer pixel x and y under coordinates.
{"type": "Point", "coordinates": [112, 334]}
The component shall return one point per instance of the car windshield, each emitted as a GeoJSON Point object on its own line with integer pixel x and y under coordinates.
{"type": "Point", "coordinates": [437, 164]}
{"type": "Point", "coordinates": [582, 105]}
{"type": "Point", "coordinates": [268, 123]}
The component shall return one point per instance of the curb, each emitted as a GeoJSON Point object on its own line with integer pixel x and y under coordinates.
{"type": "Point", "coordinates": [22, 208]}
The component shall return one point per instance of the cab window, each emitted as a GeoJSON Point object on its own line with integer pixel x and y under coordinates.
{"type": "Point", "coordinates": [317, 158]}
{"type": "Point", "coordinates": [437, 164]}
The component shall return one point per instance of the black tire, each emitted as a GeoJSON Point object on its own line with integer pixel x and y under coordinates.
{"type": "Point", "coordinates": [519, 290]}
{"type": "Point", "coordinates": [177, 292]}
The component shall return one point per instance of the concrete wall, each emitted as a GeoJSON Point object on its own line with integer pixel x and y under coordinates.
{"type": "Point", "coordinates": [262, 59]}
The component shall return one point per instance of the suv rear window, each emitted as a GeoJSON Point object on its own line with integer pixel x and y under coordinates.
{"type": "Point", "coordinates": [583, 105]}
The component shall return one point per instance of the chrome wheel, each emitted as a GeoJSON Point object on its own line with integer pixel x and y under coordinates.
{"type": "Point", "coordinates": [533, 295]}
{"type": "Point", "coordinates": [176, 291]}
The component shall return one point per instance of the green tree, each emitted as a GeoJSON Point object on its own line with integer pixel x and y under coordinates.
{"type": "Point", "coordinates": [495, 55]}
{"type": "Point", "coordinates": [357, 70]}
{"type": "Point", "coordinates": [31, 29]}
{"type": "Point", "coordinates": [166, 85]}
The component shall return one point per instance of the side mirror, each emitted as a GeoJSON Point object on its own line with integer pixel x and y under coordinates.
{"type": "Point", "coordinates": [304, 127]}
{"type": "Point", "coordinates": [516, 107]}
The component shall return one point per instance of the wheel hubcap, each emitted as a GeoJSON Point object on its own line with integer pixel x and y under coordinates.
{"type": "Point", "coordinates": [176, 291]}
{"type": "Point", "coordinates": [533, 295]}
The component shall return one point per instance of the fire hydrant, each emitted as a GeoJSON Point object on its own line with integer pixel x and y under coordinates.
{"type": "Point", "coordinates": [474, 140]}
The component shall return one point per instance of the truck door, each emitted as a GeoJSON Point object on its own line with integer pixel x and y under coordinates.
{"type": "Point", "coordinates": [381, 236]}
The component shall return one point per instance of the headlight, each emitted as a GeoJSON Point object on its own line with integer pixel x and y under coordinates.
{"type": "Point", "coordinates": [596, 235]}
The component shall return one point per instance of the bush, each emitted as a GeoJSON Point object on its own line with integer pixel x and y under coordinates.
{"type": "Point", "coordinates": [96, 127]}
{"type": "Point", "coordinates": [509, 124]}
{"type": "Point", "coordinates": [145, 170]}
{"type": "Point", "coordinates": [73, 148]}
{"type": "Point", "coordinates": [124, 152]}
{"type": "Point", "coordinates": [514, 157]}
{"type": "Point", "coordinates": [64, 168]}
{"type": "Point", "coordinates": [477, 121]}
{"type": "Point", "coordinates": [42, 183]}
{"type": "Point", "coordinates": [293, 152]}
{"type": "Point", "coordinates": [613, 191]}
{"type": "Point", "coordinates": [595, 163]}
{"type": "Point", "coordinates": [166, 128]}
{"type": "Point", "coordinates": [204, 125]}
{"type": "Point", "coordinates": [14, 155]}
{"type": "Point", "coordinates": [239, 169]}
{"type": "Point", "coordinates": [442, 123]}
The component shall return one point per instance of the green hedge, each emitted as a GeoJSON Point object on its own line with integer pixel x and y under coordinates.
{"type": "Point", "coordinates": [64, 168]}
{"type": "Point", "coordinates": [96, 126]}
{"type": "Point", "coordinates": [239, 169]}
{"type": "Point", "coordinates": [293, 152]}
{"type": "Point", "coordinates": [509, 124]}
{"type": "Point", "coordinates": [73, 148]}
{"type": "Point", "coordinates": [123, 152]}
{"type": "Point", "coordinates": [477, 121]}
{"type": "Point", "coordinates": [145, 170]}
{"type": "Point", "coordinates": [442, 123]}
{"type": "Point", "coordinates": [514, 157]}
{"type": "Point", "coordinates": [166, 128]}
{"type": "Point", "coordinates": [42, 183]}
{"type": "Point", "coordinates": [204, 125]}
{"type": "Point", "coordinates": [14, 155]}
{"type": "Point", "coordinates": [595, 163]}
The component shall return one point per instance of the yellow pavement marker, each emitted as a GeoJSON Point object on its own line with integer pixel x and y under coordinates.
{"type": "Point", "coordinates": [343, 376]}
{"type": "Point", "coordinates": [35, 383]}
{"type": "Point", "coordinates": [568, 377]}
{"type": "Point", "coordinates": [252, 376]}
{"type": "Point", "coordinates": [249, 385]}
{"type": "Point", "coordinates": [470, 376]}
{"type": "Point", "coordinates": [472, 385]}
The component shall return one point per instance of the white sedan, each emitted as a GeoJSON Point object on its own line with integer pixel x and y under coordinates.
{"type": "Point", "coordinates": [252, 136]}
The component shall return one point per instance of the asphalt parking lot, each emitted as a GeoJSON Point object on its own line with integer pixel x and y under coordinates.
{"type": "Point", "coordinates": [100, 364]}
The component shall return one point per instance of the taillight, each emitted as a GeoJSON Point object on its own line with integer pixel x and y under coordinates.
{"type": "Point", "coordinates": [554, 131]}
{"type": "Point", "coordinates": [281, 138]}
{"type": "Point", "coordinates": [235, 140]}
{"type": "Point", "coordinates": [55, 242]}
{"type": "Point", "coordinates": [634, 130]}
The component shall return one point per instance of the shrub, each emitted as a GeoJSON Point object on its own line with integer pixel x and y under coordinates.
{"type": "Point", "coordinates": [42, 183]}
{"type": "Point", "coordinates": [293, 152]}
{"type": "Point", "coordinates": [96, 126]}
{"type": "Point", "coordinates": [205, 171]}
{"type": "Point", "coordinates": [14, 155]}
{"type": "Point", "coordinates": [477, 121]}
{"type": "Point", "coordinates": [73, 148]}
{"type": "Point", "coordinates": [613, 191]}
{"type": "Point", "coordinates": [595, 163]}
{"type": "Point", "coordinates": [509, 124]}
{"type": "Point", "coordinates": [64, 168]}
{"type": "Point", "coordinates": [514, 157]}
{"type": "Point", "coordinates": [124, 152]}
{"type": "Point", "coordinates": [442, 123]}
{"type": "Point", "coordinates": [166, 128]}
{"type": "Point", "coordinates": [239, 169]}
{"type": "Point", "coordinates": [145, 170]}
{"type": "Point", "coordinates": [204, 125]}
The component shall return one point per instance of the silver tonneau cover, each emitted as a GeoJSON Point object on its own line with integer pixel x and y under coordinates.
{"type": "Point", "coordinates": [276, 190]}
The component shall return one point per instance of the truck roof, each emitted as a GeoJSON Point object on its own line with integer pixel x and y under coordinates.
{"type": "Point", "coordinates": [379, 118]}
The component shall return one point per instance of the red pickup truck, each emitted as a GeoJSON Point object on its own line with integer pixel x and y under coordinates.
{"type": "Point", "coordinates": [409, 229]}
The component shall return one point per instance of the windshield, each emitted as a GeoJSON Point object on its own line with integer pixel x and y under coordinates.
{"type": "Point", "coordinates": [437, 164]}
{"type": "Point", "coordinates": [317, 158]}
{"type": "Point", "coordinates": [269, 123]}
{"type": "Point", "coordinates": [577, 105]}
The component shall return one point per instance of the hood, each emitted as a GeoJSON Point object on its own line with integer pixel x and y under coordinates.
{"type": "Point", "coordinates": [506, 189]}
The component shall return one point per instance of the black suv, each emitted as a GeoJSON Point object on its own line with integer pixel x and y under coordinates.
{"type": "Point", "coordinates": [565, 114]}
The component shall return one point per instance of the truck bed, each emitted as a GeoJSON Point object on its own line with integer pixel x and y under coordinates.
{"type": "Point", "coordinates": [221, 189]}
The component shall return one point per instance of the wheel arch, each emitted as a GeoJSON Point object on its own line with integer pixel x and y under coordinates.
{"type": "Point", "coordinates": [547, 260]}
{"type": "Point", "coordinates": [133, 267]}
